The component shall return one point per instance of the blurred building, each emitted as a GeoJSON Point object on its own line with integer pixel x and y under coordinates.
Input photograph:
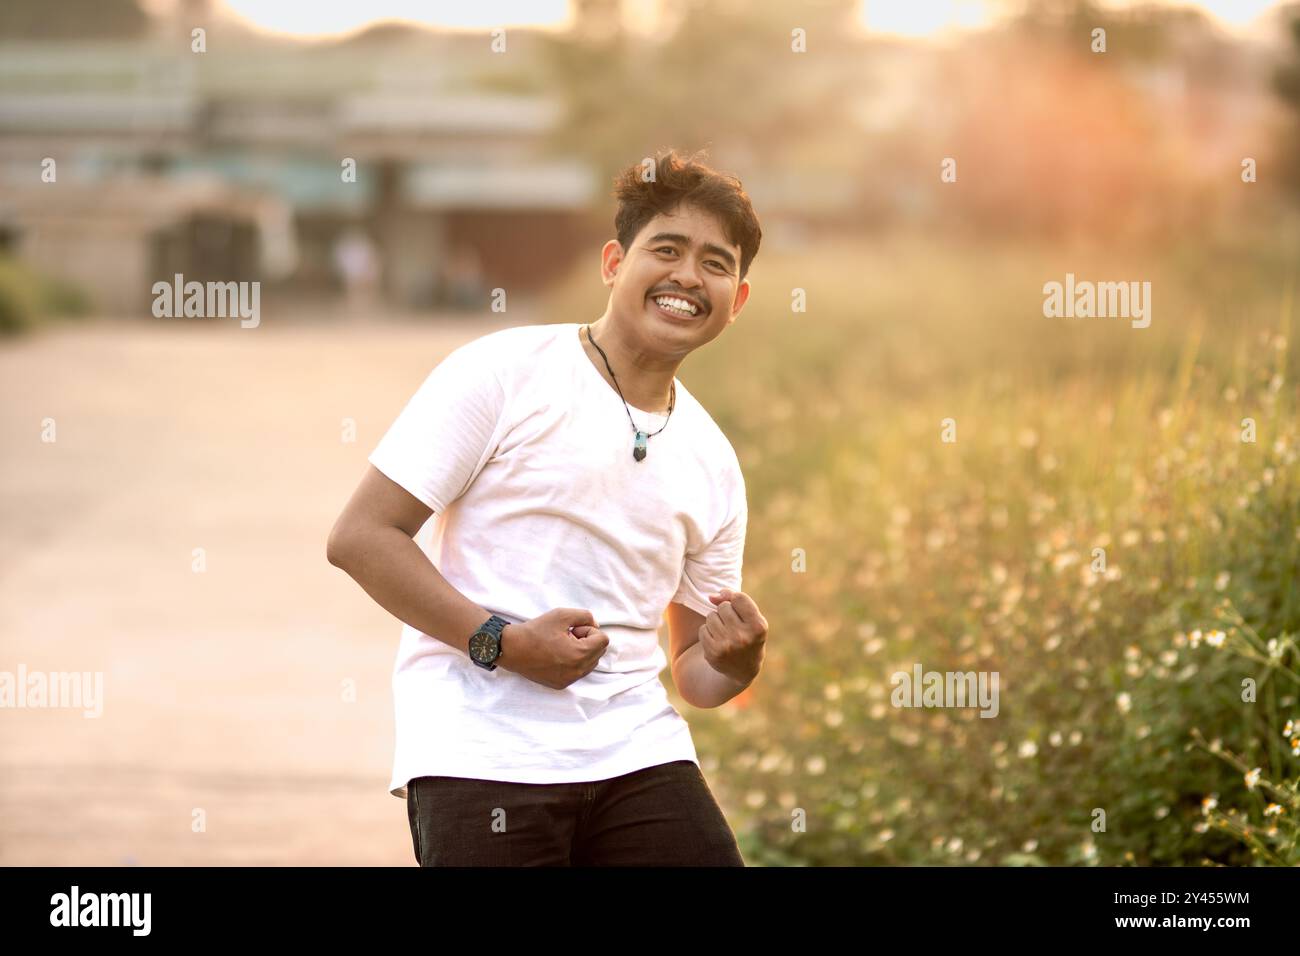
{"type": "Point", "coordinates": [429, 160]}
{"type": "Point", "coordinates": [254, 159]}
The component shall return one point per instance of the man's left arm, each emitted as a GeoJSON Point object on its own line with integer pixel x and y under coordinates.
{"type": "Point", "coordinates": [716, 657]}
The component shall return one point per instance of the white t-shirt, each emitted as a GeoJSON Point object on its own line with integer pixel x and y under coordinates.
{"type": "Point", "coordinates": [524, 453]}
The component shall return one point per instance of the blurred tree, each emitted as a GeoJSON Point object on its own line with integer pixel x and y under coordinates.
{"type": "Point", "coordinates": [1286, 82]}
{"type": "Point", "coordinates": [1083, 143]}
{"type": "Point", "coordinates": [723, 73]}
{"type": "Point", "coordinates": [72, 19]}
{"type": "Point", "coordinates": [1145, 33]}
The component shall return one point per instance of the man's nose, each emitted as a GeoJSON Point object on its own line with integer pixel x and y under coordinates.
{"type": "Point", "coordinates": [686, 275]}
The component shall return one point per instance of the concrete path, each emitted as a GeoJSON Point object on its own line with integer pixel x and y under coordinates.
{"type": "Point", "coordinates": [225, 692]}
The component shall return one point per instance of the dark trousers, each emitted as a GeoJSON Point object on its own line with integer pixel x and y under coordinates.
{"type": "Point", "coordinates": [658, 816]}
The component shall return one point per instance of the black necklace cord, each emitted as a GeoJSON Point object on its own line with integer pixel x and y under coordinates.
{"type": "Point", "coordinates": [672, 400]}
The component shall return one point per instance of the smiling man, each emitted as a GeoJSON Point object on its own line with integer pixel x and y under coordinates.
{"type": "Point", "coordinates": [582, 495]}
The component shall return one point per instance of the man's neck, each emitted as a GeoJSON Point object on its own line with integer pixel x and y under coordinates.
{"type": "Point", "coordinates": [644, 379]}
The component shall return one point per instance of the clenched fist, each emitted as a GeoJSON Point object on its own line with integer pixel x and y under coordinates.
{"type": "Point", "coordinates": [733, 635]}
{"type": "Point", "coordinates": [554, 649]}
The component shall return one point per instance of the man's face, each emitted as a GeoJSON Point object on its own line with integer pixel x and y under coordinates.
{"type": "Point", "coordinates": [680, 255]}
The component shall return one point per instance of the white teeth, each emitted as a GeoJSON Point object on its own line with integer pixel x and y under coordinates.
{"type": "Point", "coordinates": [676, 305]}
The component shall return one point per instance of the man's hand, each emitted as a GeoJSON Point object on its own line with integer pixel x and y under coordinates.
{"type": "Point", "coordinates": [553, 649]}
{"type": "Point", "coordinates": [733, 636]}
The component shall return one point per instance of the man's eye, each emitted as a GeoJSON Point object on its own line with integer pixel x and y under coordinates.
{"type": "Point", "coordinates": [665, 249]}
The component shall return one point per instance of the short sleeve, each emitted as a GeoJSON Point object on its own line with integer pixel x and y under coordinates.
{"type": "Point", "coordinates": [718, 564]}
{"type": "Point", "coordinates": [448, 430]}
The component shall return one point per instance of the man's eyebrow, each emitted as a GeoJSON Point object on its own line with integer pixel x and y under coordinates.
{"type": "Point", "coordinates": [681, 240]}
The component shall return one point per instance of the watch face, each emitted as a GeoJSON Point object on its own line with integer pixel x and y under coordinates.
{"type": "Point", "coordinates": [482, 647]}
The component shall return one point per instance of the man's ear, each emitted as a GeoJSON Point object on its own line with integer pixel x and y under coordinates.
{"type": "Point", "coordinates": [611, 257]}
{"type": "Point", "coordinates": [742, 296]}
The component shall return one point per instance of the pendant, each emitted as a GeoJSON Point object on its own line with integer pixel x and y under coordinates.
{"type": "Point", "coordinates": [638, 449]}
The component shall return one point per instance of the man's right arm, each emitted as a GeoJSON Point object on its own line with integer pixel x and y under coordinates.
{"type": "Point", "coordinates": [373, 540]}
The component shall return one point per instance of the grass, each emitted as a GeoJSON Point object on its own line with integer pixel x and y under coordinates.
{"type": "Point", "coordinates": [979, 554]}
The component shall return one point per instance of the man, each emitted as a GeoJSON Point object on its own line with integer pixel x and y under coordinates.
{"type": "Point", "coordinates": [582, 494]}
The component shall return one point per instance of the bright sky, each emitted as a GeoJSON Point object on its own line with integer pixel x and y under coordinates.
{"type": "Point", "coordinates": [911, 18]}
{"type": "Point", "coordinates": [923, 18]}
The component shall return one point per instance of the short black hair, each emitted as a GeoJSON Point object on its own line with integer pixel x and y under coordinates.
{"type": "Point", "coordinates": [679, 180]}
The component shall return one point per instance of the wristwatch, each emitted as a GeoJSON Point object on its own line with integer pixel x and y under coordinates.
{"type": "Point", "coordinates": [485, 643]}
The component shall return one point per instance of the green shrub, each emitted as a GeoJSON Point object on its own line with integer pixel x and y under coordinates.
{"type": "Point", "coordinates": [28, 298]}
{"type": "Point", "coordinates": [20, 297]}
